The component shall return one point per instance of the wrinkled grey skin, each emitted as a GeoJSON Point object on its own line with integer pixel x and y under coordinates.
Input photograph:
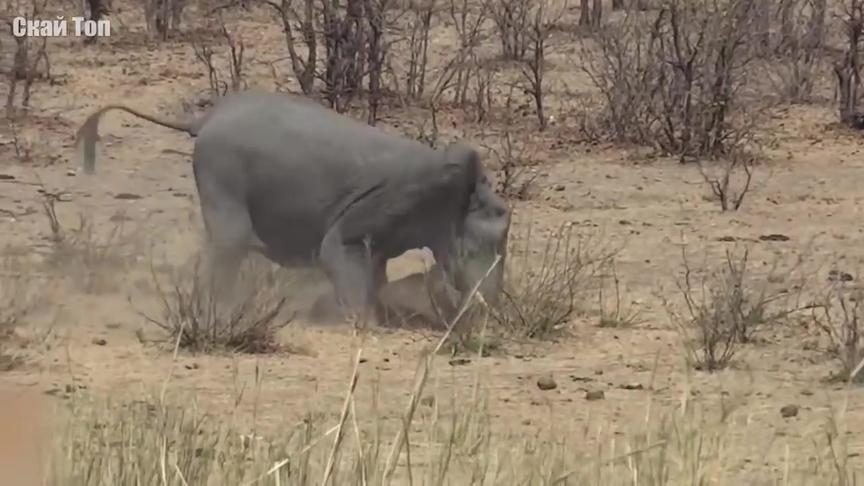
{"type": "Point", "coordinates": [286, 177]}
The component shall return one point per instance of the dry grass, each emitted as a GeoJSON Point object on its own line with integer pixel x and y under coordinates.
{"type": "Point", "coordinates": [542, 296]}
{"type": "Point", "coordinates": [18, 297]}
{"type": "Point", "coordinates": [837, 314]}
{"type": "Point", "coordinates": [158, 442]}
{"type": "Point", "coordinates": [727, 306]}
{"type": "Point", "coordinates": [194, 319]}
{"type": "Point", "coordinates": [83, 254]}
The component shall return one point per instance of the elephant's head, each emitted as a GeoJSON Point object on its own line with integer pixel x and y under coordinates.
{"type": "Point", "coordinates": [484, 235]}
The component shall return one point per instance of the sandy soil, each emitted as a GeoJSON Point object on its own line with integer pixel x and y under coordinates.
{"type": "Point", "coordinates": [806, 188]}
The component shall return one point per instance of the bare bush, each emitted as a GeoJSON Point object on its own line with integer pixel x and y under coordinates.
{"type": "Point", "coordinates": [194, 319]}
{"type": "Point", "coordinates": [377, 47]}
{"type": "Point", "coordinates": [802, 34]}
{"type": "Point", "coordinates": [723, 186]}
{"type": "Point", "coordinates": [848, 69]}
{"type": "Point", "coordinates": [838, 314]}
{"type": "Point", "coordinates": [514, 177]}
{"type": "Point", "coordinates": [18, 296]}
{"type": "Point", "coordinates": [22, 146]}
{"type": "Point", "coordinates": [541, 296]}
{"type": "Point", "coordinates": [235, 51]}
{"type": "Point", "coordinates": [617, 313]}
{"type": "Point", "coordinates": [670, 78]}
{"type": "Point", "coordinates": [344, 34]}
{"type": "Point", "coordinates": [304, 66]}
{"type": "Point", "coordinates": [512, 21]}
{"type": "Point", "coordinates": [457, 75]}
{"type": "Point", "coordinates": [420, 23]}
{"type": "Point", "coordinates": [725, 308]}
{"type": "Point", "coordinates": [82, 254]}
{"type": "Point", "coordinates": [95, 10]}
{"type": "Point", "coordinates": [534, 68]}
{"type": "Point", "coordinates": [30, 53]}
{"type": "Point", "coordinates": [162, 17]}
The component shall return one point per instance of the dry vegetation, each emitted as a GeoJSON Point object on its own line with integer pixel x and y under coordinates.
{"type": "Point", "coordinates": [596, 117]}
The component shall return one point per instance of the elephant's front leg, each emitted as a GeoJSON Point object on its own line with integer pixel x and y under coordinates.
{"type": "Point", "coordinates": [352, 273]}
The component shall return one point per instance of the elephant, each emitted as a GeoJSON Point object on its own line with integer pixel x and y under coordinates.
{"type": "Point", "coordinates": [289, 178]}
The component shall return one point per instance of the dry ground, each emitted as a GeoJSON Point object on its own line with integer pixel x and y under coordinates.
{"type": "Point", "coordinates": [807, 188]}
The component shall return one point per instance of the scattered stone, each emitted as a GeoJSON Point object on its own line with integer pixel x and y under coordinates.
{"type": "Point", "coordinates": [128, 196]}
{"type": "Point", "coordinates": [631, 386]}
{"type": "Point", "coordinates": [99, 341]}
{"type": "Point", "coordinates": [363, 360]}
{"type": "Point", "coordinates": [789, 411]}
{"type": "Point", "coordinates": [192, 366]}
{"type": "Point", "coordinates": [727, 238]}
{"type": "Point", "coordinates": [71, 173]}
{"type": "Point", "coordinates": [459, 361]}
{"type": "Point", "coordinates": [807, 393]}
{"type": "Point", "coordinates": [64, 197]}
{"type": "Point", "coordinates": [581, 378]}
{"type": "Point", "coordinates": [774, 237]}
{"type": "Point", "coordinates": [559, 187]}
{"type": "Point", "coordinates": [838, 276]}
{"type": "Point", "coordinates": [546, 383]}
{"type": "Point", "coordinates": [595, 395]}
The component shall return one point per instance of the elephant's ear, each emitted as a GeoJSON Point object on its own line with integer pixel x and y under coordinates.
{"type": "Point", "coordinates": [465, 156]}
{"type": "Point", "coordinates": [406, 197]}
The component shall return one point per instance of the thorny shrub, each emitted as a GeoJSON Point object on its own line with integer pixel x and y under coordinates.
{"type": "Point", "coordinates": [18, 296]}
{"type": "Point", "coordinates": [670, 77]}
{"type": "Point", "coordinates": [726, 307]}
{"type": "Point", "coordinates": [93, 260]}
{"type": "Point", "coordinates": [837, 314]}
{"type": "Point", "coordinates": [196, 320]}
{"type": "Point", "coordinates": [540, 297]}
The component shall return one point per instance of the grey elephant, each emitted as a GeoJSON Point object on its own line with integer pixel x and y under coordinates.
{"type": "Point", "coordinates": [284, 176]}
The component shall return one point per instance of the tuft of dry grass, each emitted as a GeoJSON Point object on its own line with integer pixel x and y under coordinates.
{"type": "Point", "coordinates": [18, 297]}
{"type": "Point", "coordinates": [614, 310]}
{"type": "Point", "coordinates": [726, 307]}
{"type": "Point", "coordinates": [81, 253]}
{"type": "Point", "coordinates": [540, 297]}
{"type": "Point", "coordinates": [194, 319]}
{"type": "Point", "coordinates": [436, 440]}
{"type": "Point", "coordinates": [837, 314]}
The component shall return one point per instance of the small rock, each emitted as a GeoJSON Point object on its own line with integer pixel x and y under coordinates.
{"type": "Point", "coordinates": [427, 401]}
{"type": "Point", "coordinates": [71, 173]}
{"type": "Point", "coordinates": [774, 237]}
{"type": "Point", "coordinates": [595, 395]}
{"type": "Point", "coordinates": [7, 177]}
{"type": "Point", "coordinates": [127, 196]}
{"type": "Point", "coordinates": [632, 386]}
{"type": "Point", "coordinates": [363, 360]}
{"type": "Point", "coordinates": [192, 366]}
{"type": "Point", "coordinates": [838, 276]}
{"type": "Point", "coordinates": [459, 361]}
{"type": "Point", "coordinates": [789, 411]}
{"type": "Point", "coordinates": [99, 341]}
{"type": "Point", "coordinates": [559, 187]}
{"type": "Point", "coordinates": [546, 383]}
{"type": "Point", "coordinates": [807, 393]}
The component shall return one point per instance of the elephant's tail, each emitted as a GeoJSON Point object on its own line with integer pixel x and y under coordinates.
{"type": "Point", "coordinates": [89, 131]}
